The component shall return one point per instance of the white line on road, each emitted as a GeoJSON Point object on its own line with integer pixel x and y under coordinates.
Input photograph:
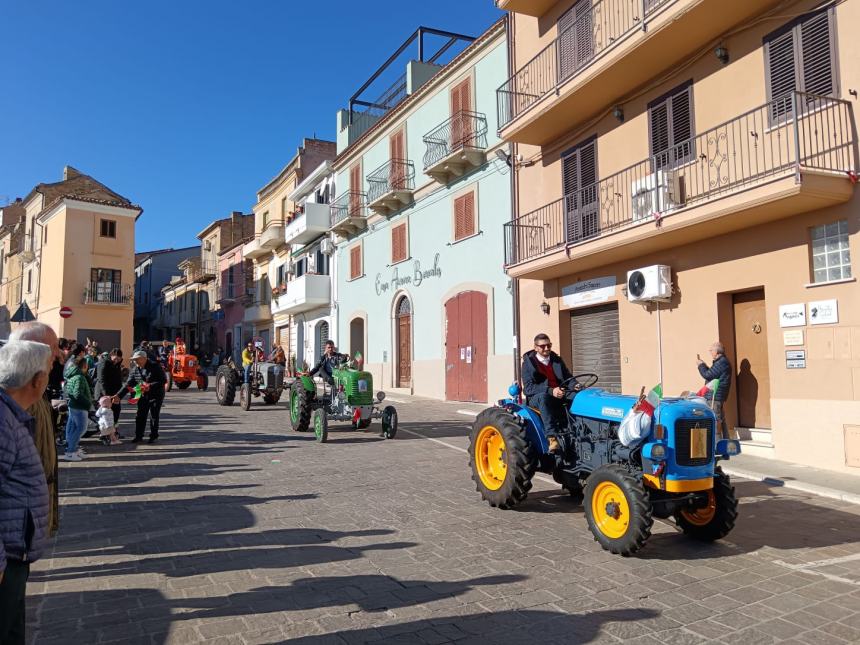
{"type": "Point", "coordinates": [468, 413]}
{"type": "Point", "coordinates": [809, 567]}
{"type": "Point", "coordinates": [388, 398]}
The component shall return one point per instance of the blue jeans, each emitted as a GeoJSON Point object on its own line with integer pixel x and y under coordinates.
{"type": "Point", "coordinates": [248, 373]}
{"type": "Point", "coordinates": [75, 426]}
{"type": "Point", "coordinates": [551, 412]}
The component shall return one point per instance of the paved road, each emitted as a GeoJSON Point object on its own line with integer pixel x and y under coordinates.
{"type": "Point", "coordinates": [235, 530]}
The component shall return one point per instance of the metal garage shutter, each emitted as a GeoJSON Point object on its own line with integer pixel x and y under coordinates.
{"type": "Point", "coordinates": [596, 347]}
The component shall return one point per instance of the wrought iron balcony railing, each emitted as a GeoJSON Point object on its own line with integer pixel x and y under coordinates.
{"type": "Point", "coordinates": [595, 31]}
{"type": "Point", "coordinates": [393, 175]}
{"type": "Point", "coordinates": [755, 148]}
{"type": "Point", "coordinates": [464, 130]}
{"type": "Point", "coordinates": [107, 293]}
{"type": "Point", "coordinates": [351, 204]}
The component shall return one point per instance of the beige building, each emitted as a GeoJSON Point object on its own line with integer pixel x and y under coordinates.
{"type": "Point", "coordinates": [716, 139]}
{"type": "Point", "coordinates": [268, 248]}
{"type": "Point", "coordinates": [77, 258]}
{"type": "Point", "coordinates": [11, 241]}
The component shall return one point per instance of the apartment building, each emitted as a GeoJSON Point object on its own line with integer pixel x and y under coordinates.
{"type": "Point", "coordinates": [77, 259]}
{"type": "Point", "coordinates": [153, 270]}
{"type": "Point", "coordinates": [269, 250]}
{"type": "Point", "coordinates": [717, 140]}
{"type": "Point", "coordinates": [423, 191]}
{"type": "Point", "coordinates": [11, 239]}
{"type": "Point", "coordinates": [235, 279]}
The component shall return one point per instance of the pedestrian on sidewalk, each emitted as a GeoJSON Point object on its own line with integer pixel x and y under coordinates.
{"type": "Point", "coordinates": [720, 369]}
{"type": "Point", "coordinates": [149, 375]}
{"type": "Point", "coordinates": [80, 403]}
{"type": "Point", "coordinates": [24, 368]}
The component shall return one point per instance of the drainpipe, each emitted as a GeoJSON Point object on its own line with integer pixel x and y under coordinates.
{"type": "Point", "coordinates": [512, 152]}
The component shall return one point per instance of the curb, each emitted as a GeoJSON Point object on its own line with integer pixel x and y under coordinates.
{"type": "Point", "coordinates": [814, 489]}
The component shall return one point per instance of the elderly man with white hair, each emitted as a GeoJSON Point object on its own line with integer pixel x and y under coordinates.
{"type": "Point", "coordinates": [24, 367]}
{"type": "Point", "coordinates": [45, 418]}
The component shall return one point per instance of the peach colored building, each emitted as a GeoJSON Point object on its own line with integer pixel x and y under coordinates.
{"type": "Point", "coordinates": [717, 139]}
{"type": "Point", "coordinates": [77, 257]}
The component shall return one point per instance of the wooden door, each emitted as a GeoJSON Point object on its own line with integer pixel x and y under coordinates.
{"type": "Point", "coordinates": [466, 347]}
{"type": "Point", "coordinates": [397, 155]}
{"type": "Point", "coordinates": [461, 104]}
{"type": "Point", "coordinates": [751, 360]}
{"type": "Point", "coordinates": [355, 186]}
{"type": "Point", "coordinates": [404, 342]}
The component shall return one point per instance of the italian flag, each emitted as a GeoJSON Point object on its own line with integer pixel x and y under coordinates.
{"type": "Point", "coordinates": [136, 393]}
{"type": "Point", "coordinates": [650, 401]}
{"type": "Point", "coordinates": [359, 360]}
{"type": "Point", "coordinates": [710, 388]}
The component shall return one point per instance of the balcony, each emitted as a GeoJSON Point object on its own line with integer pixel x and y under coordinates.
{"type": "Point", "coordinates": [535, 8]}
{"type": "Point", "coordinates": [612, 48]}
{"type": "Point", "coordinates": [200, 271]}
{"type": "Point", "coordinates": [348, 214]}
{"type": "Point", "coordinates": [392, 186]}
{"type": "Point", "coordinates": [307, 292]}
{"type": "Point", "coordinates": [258, 311]}
{"type": "Point", "coordinates": [253, 249]}
{"type": "Point", "coordinates": [272, 236]}
{"type": "Point", "coordinates": [107, 293]}
{"type": "Point", "coordinates": [456, 146]}
{"type": "Point", "coordinates": [229, 292]}
{"type": "Point", "coordinates": [760, 166]}
{"type": "Point", "coordinates": [187, 317]}
{"type": "Point", "coordinates": [309, 225]}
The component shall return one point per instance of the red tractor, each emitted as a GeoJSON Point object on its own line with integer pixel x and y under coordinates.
{"type": "Point", "coordinates": [184, 369]}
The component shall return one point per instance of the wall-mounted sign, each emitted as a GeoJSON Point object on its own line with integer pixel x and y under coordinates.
{"type": "Point", "coordinates": [588, 292]}
{"type": "Point", "coordinates": [792, 337]}
{"type": "Point", "coordinates": [403, 279]}
{"type": "Point", "coordinates": [792, 315]}
{"type": "Point", "coordinates": [823, 312]}
{"type": "Point", "coordinates": [795, 354]}
{"type": "Point", "coordinates": [795, 364]}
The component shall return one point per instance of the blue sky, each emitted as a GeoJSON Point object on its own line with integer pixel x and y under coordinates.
{"type": "Point", "coordinates": [188, 107]}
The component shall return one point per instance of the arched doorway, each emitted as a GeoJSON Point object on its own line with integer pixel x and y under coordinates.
{"type": "Point", "coordinates": [403, 321]}
{"type": "Point", "coordinates": [356, 336]}
{"type": "Point", "coordinates": [321, 335]}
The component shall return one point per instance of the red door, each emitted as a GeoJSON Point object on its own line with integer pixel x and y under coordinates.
{"type": "Point", "coordinates": [466, 347]}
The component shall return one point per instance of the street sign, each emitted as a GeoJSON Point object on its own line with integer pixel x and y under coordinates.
{"type": "Point", "coordinates": [24, 314]}
{"type": "Point", "coordinates": [65, 312]}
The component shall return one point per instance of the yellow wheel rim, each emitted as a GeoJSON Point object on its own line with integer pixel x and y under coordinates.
{"type": "Point", "coordinates": [702, 516]}
{"type": "Point", "coordinates": [610, 510]}
{"type": "Point", "coordinates": [490, 458]}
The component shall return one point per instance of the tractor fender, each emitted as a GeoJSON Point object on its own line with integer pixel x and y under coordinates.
{"type": "Point", "coordinates": [308, 383]}
{"type": "Point", "coordinates": [533, 425]}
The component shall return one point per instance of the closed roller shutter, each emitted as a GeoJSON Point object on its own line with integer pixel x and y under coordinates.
{"type": "Point", "coordinates": [596, 344]}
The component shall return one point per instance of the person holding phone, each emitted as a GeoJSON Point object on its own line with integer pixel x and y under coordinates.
{"type": "Point", "coordinates": [543, 372]}
{"type": "Point", "coordinates": [720, 369]}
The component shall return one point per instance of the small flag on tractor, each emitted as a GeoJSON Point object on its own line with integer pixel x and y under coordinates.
{"type": "Point", "coordinates": [647, 403]}
{"type": "Point", "coordinates": [710, 388]}
{"type": "Point", "coordinates": [359, 360]}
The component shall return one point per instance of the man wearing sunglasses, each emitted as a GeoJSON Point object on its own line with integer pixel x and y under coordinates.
{"type": "Point", "coordinates": [543, 372]}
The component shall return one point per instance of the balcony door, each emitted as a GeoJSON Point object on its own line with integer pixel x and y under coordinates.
{"type": "Point", "coordinates": [575, 39]}
{"type": "Point", "coordinates": [579, 182]}
{"type": "Point", "coordinates": [355, 185]}
{"type": "Point", "coordinates": [106, 284]}
{"type": "Point", "coordinates": [462, 131]}
{"type": "Point", "coordinates": [397, 154]}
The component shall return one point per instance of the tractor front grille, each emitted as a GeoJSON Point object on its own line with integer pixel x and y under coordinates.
{"type": "Point", "coordinates": [683, 431]}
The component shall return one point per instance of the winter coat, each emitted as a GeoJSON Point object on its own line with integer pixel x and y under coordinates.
{"type": "Point", "coordinates": [78, 390]}
{"type": "Point", "coordinates": [108, 378]}
{"type": "Point", "coordinates": [23, 490]}
{"type": "Point", "coordinates": [43, 429]}
{"type": "Point", "coordinates": [151, 374]}
{"type": "Point", "coordinates": [534, 382]}
{"type": "Point", "coordinates": [722, 370]}
{"type": "Point", "coordinates": [327, 364]}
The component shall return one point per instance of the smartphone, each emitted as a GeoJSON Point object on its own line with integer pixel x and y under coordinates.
{"type": "Point", "coordinates": [698, 357]}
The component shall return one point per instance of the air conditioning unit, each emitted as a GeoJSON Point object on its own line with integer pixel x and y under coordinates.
{"type": "Point", "coordinates": [660, 192]}
{"type": "Point", "coordinates": [327, 246]}
{"type": "Point", "coordinates": [649, 283]}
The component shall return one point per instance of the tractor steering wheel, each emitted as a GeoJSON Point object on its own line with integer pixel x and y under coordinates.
{"type": "Point", "coordinates": [591, 379]}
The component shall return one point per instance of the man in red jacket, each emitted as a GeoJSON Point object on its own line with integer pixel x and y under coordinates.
{"type": "Point", "coordinates": [543, 373]}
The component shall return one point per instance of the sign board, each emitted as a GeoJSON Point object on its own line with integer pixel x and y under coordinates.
{"type": "Point", "coordinates": [795, 364]}
{"type": "Point", "coordinates": [792, 315]}
{"type": "Point", "coordinates": [792, 337]}
{"type": "Point", "coordinates": [823, 312]}
{"type": "Point", "coordinates": [795, 354]}
{"type": "Point", "coordinates": [65, 312]}
{"type": "Point", "coordinates": [588, 292]}
{"type": "Point", "coordinates": [400, 278]}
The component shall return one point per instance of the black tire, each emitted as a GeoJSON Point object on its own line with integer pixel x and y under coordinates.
{"type": "Point", "coordinates": [606, 486]}
{"type": "Point", "coordinates": [245, 396]}
{"type": "Point", "coordinates": [169, 380]}
{"type": "Point", "coordinates": [716, 520]}
{"type": "Point", "coordinates": [301, 406]}
{"type": "Point", "coordinates": [518, 457]}
{"type": "Point", "coordinates": [576, 492]}
{"type": "Point", "coordinates": [270, 399]}
{"type": "Point", "coordinates": [225, 385]}
{"type": "Point", "coordinates": [183, 385]}
{"type": "Point", "coordinates": [389, 422]}
{"type": "Point", "coordinates": [203, 382]}
{"type": "Point", "coordinates": [321, 425]}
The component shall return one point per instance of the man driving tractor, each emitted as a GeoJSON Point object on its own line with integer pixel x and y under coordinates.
{"type": "Point", "coordinates": [328, 361]}
{"type": "Point", "coordinates": [543, 371]}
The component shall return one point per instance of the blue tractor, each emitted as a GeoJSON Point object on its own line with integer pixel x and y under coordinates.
{"type": "Point", "coordinates": [671, 472]}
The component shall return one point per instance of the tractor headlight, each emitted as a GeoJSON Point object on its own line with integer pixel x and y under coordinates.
{"type": "Point", "coordinates": [380, 395]}
{"type": "Point", "coordinates": [658, 451]}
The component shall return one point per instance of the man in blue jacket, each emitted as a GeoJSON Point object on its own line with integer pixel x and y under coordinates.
{"type": "Point", "coordinates": [720, 368]}
{"type": "Point", "coordinates": [543, 372]}
{"type": "Point", "coordinates": [24, 369]}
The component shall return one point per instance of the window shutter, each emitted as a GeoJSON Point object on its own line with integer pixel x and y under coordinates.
{"type": "Point", "coordinates": [816, 55]}
{"type": "Point", "coordinates": [355, 187]}
{"type": "Point", "coordinates": [575, 46]}
{"type": "Point", "coordinates": [682, 125]}
{"type": "Point", "coordinates": [781, 75]}
{"type": "Point", "coordinates": [355, 262]}
{"type": "Point", "coordinates": [660, 132]}
{"type": "Point", "coordinates": [671, 121]}
{"type": "Point", "coordinates": [398, 243]}
{"type": "Point", "coordinates": [468, 215]}
{"type": "Point", "coordinates": [459, 217]}
{"type": "Point", "coordinates": [579, 181]}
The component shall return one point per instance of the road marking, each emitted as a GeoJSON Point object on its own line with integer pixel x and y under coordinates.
{"type": "Point", "coordinates": [388, 398]}
{"type": "Point", "coordinates": [468, 413]}
{"type": "Point", "coordinates": [809, 567]}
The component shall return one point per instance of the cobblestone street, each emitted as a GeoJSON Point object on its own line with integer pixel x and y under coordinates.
{"type": "Point", "coordinates": [233, 529]}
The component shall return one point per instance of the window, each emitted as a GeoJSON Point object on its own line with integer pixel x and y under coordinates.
{"type": "Point", "coordinates": [575, 38]}
{"type": "Point", "coordinates": [108, 228]}
{"type": "Point", "coordinates": [462, 131]}
{"type": "Point", "coordinates": [670, 121]}
{"type": "Point", "coordinates": [464, 216]}
{"type": "Point", "coordinates": [800, 57]}
{"type": "Point", "coordinates": [265, 220]}
{"type": "Point", "coordinates": [301, 266]}
{"type": "Point", "coordinates": [113, 276]}
{"type": "Point", "coordinates": [831, 259]}
{"type": "Point", "coordinates": [399, 244]}
{"type": "Point", "coordinates": [282, 275]}
{"type": "Point", "coordinates": [29, 280]}
{"type": "Point", "coordinates": [579, 183]}
{"type": "Point", "coordinates": [322, 263]}
{"type": "Point", "coordinates": [355, 262]}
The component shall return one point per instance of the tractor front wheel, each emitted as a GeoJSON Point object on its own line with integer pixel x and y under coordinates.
{"type": "Point", "coordinates": [225, 385]}
{"type": "Point", "coordinates": [301, 404]}
{"type": "Point", "coordinates": [202, 381]}
{"type": "Point", "coordinates": [245, 396]}
{"type": "Point", "coordinates": [321, 425]}
{"type": "Point", "coordinates": [502, 460]}
{"type": "Point", "coordinates": [389, 422]}
{"type": "Point", "coordinates": [617, 510]}
{"type": "Point", "coordinates": [717, 518]}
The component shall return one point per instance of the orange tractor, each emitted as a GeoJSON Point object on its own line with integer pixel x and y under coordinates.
{"type": "Point", "coordinates": [184, 369]}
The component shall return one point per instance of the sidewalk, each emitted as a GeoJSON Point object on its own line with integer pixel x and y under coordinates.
{"type": "Point", "coordinates": [773, 472]}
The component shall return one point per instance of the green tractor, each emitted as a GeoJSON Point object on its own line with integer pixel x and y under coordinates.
{"type": "Point", "coordinates": [349, 398]}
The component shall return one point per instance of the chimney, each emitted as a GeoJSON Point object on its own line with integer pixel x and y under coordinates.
{"type": "Point", "coordinates": [69, 173]}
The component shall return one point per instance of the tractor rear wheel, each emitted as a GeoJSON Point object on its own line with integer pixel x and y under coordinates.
{"type": "Point", "coordinates": [301, 404]}
{"type": "Point", "coordinates": [715, 520]}
{"type": "Point", "coordinates": [169, 376]}
{"type": "Point", "coordinates": [245, 396]}
{"type": "Point", "coordinates": [321, 425]}
{"type": "Point", "coordinates": [202, 381]}
{"type": "Point", "coordinates": [617, 510]}
{"type": "Point", "coordinates": [225, 385]}
{"type": "Point", "coordinates": [502, 460]}
{"type": "Point", "coordinates": [183, 385]}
